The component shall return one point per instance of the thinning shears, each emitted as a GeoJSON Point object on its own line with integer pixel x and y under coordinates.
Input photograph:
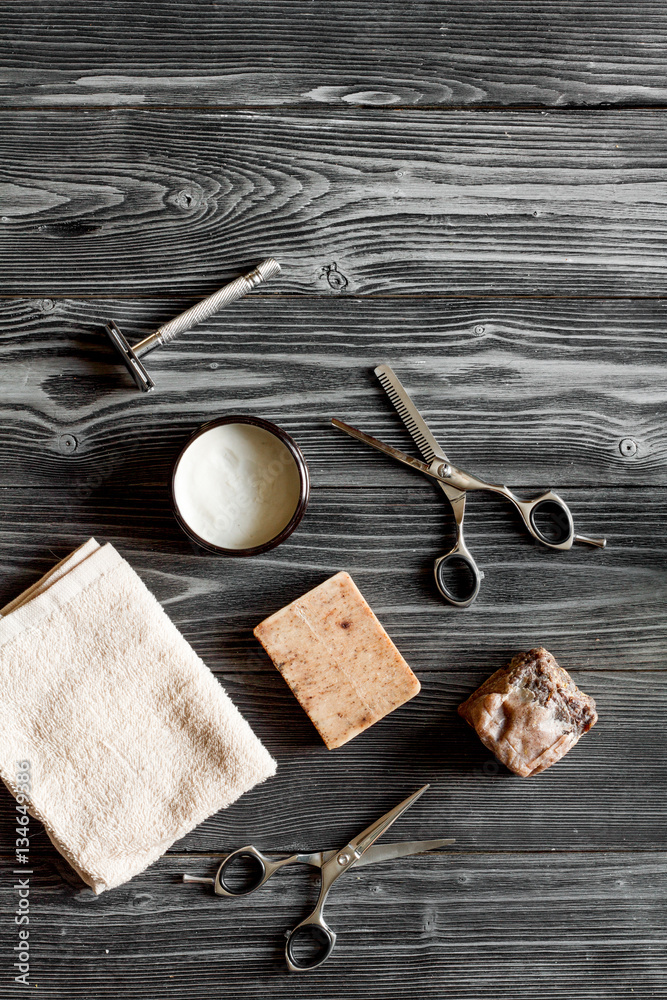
{"type": "Point", "coordinates": [311, 942]}
{"type": "Point", "coordinates": [547, 517]}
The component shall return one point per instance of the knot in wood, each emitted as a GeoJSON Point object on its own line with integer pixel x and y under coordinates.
{"type": "Point", "coordinates": [186, 199]}
{"type": "Point", "coordinates": [67, 444]}
{"type": "Point", "coordinates": [628, 447]}
{"type": "Point", "coordinates": [334, 277]}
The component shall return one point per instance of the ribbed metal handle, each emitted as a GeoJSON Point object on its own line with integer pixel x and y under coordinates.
{"type": "Point", "coordinates": [236, 289]}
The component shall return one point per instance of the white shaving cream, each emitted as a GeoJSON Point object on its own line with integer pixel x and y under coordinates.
{"type": "Point", "coordinates": [237, 486]}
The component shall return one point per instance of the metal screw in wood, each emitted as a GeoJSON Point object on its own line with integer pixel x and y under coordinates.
{"type": "Point", "coordinates": [236, 289]}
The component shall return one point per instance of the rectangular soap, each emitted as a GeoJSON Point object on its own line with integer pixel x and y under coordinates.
{"type": "Point", "coordinates": [338, 660]}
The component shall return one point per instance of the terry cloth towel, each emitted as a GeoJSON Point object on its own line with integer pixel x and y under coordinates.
{"type": "Point", "coordinates": [130, 738]}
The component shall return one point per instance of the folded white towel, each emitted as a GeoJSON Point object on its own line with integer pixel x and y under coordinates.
{"type": "Point", "coordinates": [130, 738]}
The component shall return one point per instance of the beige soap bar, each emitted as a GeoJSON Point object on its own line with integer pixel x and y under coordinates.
{"type": "Point", "coordinates": [338, 660]}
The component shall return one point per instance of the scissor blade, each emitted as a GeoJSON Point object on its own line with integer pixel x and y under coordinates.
{"type": "Point", "coordinates": [367, 837]}
{"type": "Point", "coordinates": [379, 852]}
{"type": "Point", "coordinates": [409, 414]}
{"type": "Point", "coordinates": [387, 852]}
{"type": "Point", "coordinates": [400, 456]}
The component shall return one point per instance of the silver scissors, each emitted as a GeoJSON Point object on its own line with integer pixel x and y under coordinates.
{"type": "Point", "coordinates": [311, 942]}
{"type": "Point", "coordinates": [547, 517]}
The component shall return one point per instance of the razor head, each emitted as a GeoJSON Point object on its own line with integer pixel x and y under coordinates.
{"type": "Point", "coordinates": [129, 358]}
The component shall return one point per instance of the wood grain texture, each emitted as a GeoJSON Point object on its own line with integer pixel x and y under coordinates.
{"type": "Point", "coordinates": [516, 391]}
{"type": "Point", "coordinates": [400, 202]}
{"type": "Point", "coordinates": [607, 793]}
{"type": "Point", "coordinates": [561, 926]}
{"type": "Point", "coordinates": [510, 264]}
{"type": "Point", "coordinates": [351, 53]}
{"type": "Point", "coordinates": [601, 609]}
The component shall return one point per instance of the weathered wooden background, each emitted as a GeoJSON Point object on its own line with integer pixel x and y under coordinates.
{"type": "Point", "coordinates": [476, 193]}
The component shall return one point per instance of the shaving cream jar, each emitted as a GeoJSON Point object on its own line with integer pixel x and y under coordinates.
{"type": "Point", "coordinates": [240, 486]}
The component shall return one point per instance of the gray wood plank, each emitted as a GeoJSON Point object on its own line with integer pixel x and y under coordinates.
{"type": "Point", "coordinates": [361, 53]}
{"type": "Point", "coordinates": [400, 201]}
{"type": "Point", "coordinates": [607, 793]}
{"type": "Point", "coordinates": [384, 219]}
{"type": "Point", "coordinates": [521, 392]}
{"type": "Point", "coordinates": [562, 926]}
{"type": "Point", "coordinates": [596, 608]}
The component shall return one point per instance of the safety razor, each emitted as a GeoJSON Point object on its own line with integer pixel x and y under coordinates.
{"type": "Point", "coordinates": [236, 289]}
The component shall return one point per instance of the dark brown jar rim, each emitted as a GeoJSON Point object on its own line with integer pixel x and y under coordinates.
{"type": "Point", "coordinates": [304, 490]}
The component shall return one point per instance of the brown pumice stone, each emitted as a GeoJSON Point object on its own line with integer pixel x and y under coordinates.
{"type": "Point", "coordinates": [529, 713]}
